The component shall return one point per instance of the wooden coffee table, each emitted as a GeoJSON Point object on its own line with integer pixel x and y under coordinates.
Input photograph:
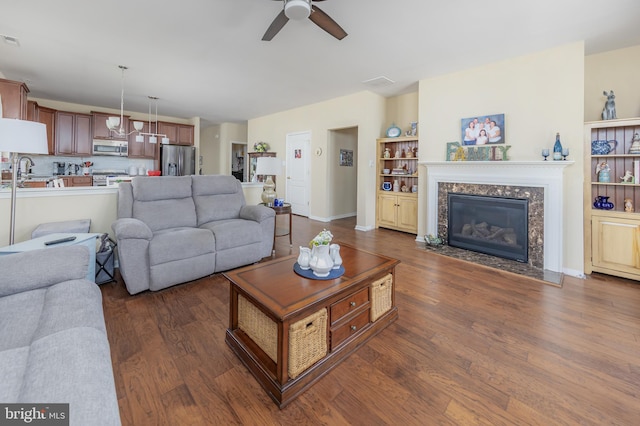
{"type": "Point", "coordinates": [290, 331]}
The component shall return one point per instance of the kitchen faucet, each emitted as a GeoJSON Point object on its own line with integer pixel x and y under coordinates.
{"type": "Point", "coordinates": [31, 164]}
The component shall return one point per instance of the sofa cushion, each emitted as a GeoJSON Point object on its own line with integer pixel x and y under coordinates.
{"type": "Point", "coordinates": [180, 243]}
{"type": "Point", "coordinates": [217, 197]}
{"type": "Point", "coordinates": [168, 205]}
{"type": "Point", "coordinates": [19, 318]}
{"type": "Point", "coordinates": [234, 233]}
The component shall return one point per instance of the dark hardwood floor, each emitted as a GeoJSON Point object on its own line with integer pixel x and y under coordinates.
{"type": "Point", "coordinates": [472, 346]}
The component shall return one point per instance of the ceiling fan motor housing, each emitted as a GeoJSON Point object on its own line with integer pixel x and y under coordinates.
{"type": "Point", "coordinates": [297, 9]}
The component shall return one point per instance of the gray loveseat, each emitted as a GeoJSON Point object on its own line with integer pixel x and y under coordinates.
{"type": "Point", "coordinates": [174, 229]}
{"type": "Point", "coordinates": [53, 341]}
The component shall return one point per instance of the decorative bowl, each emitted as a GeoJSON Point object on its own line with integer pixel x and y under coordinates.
{"type": "Point", "coordinates": [154, 172]}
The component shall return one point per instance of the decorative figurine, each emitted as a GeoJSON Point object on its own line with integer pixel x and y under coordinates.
{"type": "Point", "coordinates": [628, 205]}
{"type": "Point", "coordinates": [387, 153]}
{"type": "Point", "coordinates": [628, 177]}
{"type": "Point", "coordinates": [609, 110]}
{"type": "Point", "coordinates": [635, 144]}
{"type": "Point", "coordinates": [602, 171]}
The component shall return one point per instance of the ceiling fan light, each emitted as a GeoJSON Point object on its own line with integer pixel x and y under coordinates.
{"type": "Point", "coordinates": [297, 9]}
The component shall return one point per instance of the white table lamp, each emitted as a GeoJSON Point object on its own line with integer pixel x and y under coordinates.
{"type": "Point", "coordinates": [268, 166]}
{"type": "Point", "coordinates": [20, 136]}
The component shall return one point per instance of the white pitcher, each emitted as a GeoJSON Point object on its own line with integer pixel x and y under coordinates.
{"type": "Point", "coordinates": [321, 262]}
{"type": "Point", "coordinates": [334, 252]}
{"type": "Point", "coordinates": [304, 258]}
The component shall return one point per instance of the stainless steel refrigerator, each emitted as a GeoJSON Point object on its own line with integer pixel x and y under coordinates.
{"type": "Point", "coordinates": [178, 160]}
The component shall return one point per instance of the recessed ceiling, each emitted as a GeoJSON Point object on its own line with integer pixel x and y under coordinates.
{"type": "Point", "coordinates": [206, 58]}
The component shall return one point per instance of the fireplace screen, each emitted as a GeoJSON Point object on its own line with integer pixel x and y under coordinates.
{"type": "Point", "coordinates": [493, 225]}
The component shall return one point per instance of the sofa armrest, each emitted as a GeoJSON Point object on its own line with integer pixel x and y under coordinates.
{"type": "Point", "coordinates": [42, 268]}
{"type": "Point", "coordinates": [256, 213]}
{"type": "Point", "coordinates": [131, 228]}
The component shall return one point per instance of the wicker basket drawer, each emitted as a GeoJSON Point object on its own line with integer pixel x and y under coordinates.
{"type": "Point", "coordinates": [307, 342]}
{"type": "Point", "coordinates": [259, 327]}
{"type": "Point", "coordinates": [381, 291]}
{"type": "Point", "coordinates": [348, 305]}
{"type": "Point", "coordinates": [353, 326]}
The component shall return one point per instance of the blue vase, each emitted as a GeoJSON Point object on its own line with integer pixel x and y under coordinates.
{"type": "Point", "coordinates": [598, 202]}
{"type": "Point", "coordinates": [606, 204]}
{"type": "Point", "coordinates": [604, 176]}
{"type": "Point", "coordinates": [557, 148]}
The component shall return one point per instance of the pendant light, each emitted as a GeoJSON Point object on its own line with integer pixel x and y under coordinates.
{"type": "Point", "coordinates": [116, 124]}
{"type": "Point", "coordinates": [153, 137]}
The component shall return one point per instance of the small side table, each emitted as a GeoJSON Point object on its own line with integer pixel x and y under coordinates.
{"type": "Point", "coordinates": [281, 232]}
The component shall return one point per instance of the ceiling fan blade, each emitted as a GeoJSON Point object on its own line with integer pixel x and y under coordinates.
{"type": "Point", "coordinates": [325, 22]}
{"type": "Point", "coordinates": [275, 26]}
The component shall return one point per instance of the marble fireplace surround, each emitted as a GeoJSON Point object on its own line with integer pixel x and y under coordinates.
{"type": "Point", "coordinates": [546, 175]}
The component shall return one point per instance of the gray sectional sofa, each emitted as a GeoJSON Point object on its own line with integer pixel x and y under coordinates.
{"type": "Point", "coordinates": [53, 341]}
{"type": "Point", "coordinates": [174, 229]}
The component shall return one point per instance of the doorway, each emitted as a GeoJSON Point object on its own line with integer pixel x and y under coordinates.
{"type": "Point", "coordinates": [238, 160]}
{"type": "Point", "coordinates": [342, 173]}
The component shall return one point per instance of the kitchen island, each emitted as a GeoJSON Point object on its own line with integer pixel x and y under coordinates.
{"type": "Point", "coordinates": [41, 205]}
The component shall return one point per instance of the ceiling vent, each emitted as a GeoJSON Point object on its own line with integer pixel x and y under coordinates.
{"type": "Point", "coordinates": [13, 41]}
{"type": "Point", "coordinates": [378, 81]}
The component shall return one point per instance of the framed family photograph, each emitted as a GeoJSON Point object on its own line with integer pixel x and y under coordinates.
{"type": "Point", "coordinates": [483, 130]}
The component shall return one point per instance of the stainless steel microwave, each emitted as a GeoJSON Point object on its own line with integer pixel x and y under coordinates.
{"type": "Point", "coordinates": [110, 147]}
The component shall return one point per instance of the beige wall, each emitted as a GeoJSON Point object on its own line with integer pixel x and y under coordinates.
{"type": "Point", "coordinates": [343, 180]}
{"type": "Point", "coordinates": [402, 110]}
{"type": "Point", "coordinates": [209, 150]}
{"type": "Point", "coordinates": [617, 70]}
{"type": "Point", "coordinates": [540, 94]}
{"type": "Point", "coordinates": [229, 132]}
{"type": "Point", "coordinates": [364, 111]}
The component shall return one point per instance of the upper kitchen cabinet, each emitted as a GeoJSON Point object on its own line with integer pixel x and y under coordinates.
{"type": "Point", "coordinates": [73, 134]}
{"type": "Point", "coordinates": [45, 116]}
{"type": "Point", "coordinates": [13, 96]}
{"type": "Point", "coordinates": [100, 129]}
{"type": "Point", "coordinates": [144, 149]}
{"type": "Point", "coordinates": [178, 134]}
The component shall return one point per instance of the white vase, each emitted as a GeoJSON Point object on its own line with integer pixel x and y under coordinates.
{"type": "Point", "coordinates": [334, 252]}
{"type": "Point", "coordinates": [321, 263]}
{"type": "Point", "coordinates": [304, 258]}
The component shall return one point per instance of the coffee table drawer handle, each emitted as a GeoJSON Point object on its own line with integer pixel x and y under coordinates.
{"type": "Point", "coordinates": [352, 304]}
{"type": "Point", "coordinates": [353, 328]}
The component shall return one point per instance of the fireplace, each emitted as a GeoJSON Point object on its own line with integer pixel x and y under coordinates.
{"type": "Point", "coordinates": [493, 225]}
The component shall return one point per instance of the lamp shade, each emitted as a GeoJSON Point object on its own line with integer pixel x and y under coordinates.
{"type": "Point", "coordinates": [269, 166]}
{"type": "Point", "coordinates": [27, 137]}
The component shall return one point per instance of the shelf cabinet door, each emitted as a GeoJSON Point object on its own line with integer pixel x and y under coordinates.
{"type": "Point", "coordinates": [408, 214]}
{"type": "Point", "coordinates": [615, 244]}
{"type": "Point", "coordinates": [73, 134]}
{"type": "Point", "coordinates": [387, 210]}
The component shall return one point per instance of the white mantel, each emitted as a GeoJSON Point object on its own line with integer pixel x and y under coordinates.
{"type": "Point", "coordinates": [545, 174]}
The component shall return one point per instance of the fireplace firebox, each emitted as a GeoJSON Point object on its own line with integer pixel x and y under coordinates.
{"type": "Point", "coordinates": [496, 226]}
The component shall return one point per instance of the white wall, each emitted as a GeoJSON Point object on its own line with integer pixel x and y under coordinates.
{"type": "Point", "coordinates": [364, 110]}
{"type": "Point", "coordinates": [540, 94]}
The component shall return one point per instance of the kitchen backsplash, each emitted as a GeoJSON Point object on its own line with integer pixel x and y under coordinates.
{"type": "Point", "coordinates": [44, 163]}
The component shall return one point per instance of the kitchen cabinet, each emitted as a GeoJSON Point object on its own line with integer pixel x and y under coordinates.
{"type": "Point", "coordinates": [144, 149]}
{"type": "Point", "coordinates": [612, 237]}
{"type": "Point", "coordinates": [397, 162]}
{"type": "Point", "coordinates": [178, 134]}
{"type": "Point", "coordinates": [73, 134]}
{"type": "Point", "coordinates": [70, 181]}
{"type": "Point", "coordinates": [100, 129]}
{"type": "Point", "coordinates": [13, 95]}
{"type": "Point", "coordinates": [45, 116]}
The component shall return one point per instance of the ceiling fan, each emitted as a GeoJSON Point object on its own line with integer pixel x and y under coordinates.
{"type": "Point", "coordinates": [301, 9]}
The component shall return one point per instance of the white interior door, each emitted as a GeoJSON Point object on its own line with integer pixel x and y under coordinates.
{"type": "Point", "coordinates": [297, 172]}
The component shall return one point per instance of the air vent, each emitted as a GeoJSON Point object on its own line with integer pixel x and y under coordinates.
{"type": "Point", "coordinates": [13, 41]}
{"type": "Point", "coordinates": [378, 81]}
